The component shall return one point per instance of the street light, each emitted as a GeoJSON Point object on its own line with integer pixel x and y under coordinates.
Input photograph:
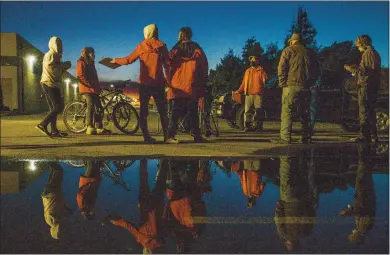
{"type": "Point", "coordinates": [32, 167]}
{"type": "Point", "coordinates": [31, 60]}
{"type": "Point", "coordinates": [67, 81]}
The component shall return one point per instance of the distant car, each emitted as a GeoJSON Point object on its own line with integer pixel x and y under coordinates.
{"type": "Point", "coordinates": [337, 104]}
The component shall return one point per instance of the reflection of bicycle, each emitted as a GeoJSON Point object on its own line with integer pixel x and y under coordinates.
{"type": "Point", "coordinates": [114, 174]}
{"type": "Point", "coordinates": [116, 106]}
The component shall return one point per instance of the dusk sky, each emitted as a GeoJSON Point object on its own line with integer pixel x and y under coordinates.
{"type": "Point", "coordinates": [115, 28]}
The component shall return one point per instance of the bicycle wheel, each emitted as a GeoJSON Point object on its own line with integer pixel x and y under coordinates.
{"type": "Point", "coordinates": [76, 164]}
{"type": "Point", "coordinates": [125, 118]}
{"type": "Point", "coordinates": [74, 117]}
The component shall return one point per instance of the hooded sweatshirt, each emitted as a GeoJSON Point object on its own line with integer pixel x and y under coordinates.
{"type": "Point", "coordinates": [189, 71]}
{"type": "Point", "coordinates": [53, 68]}
{"type": "Point", "coordinates": [153, 56]}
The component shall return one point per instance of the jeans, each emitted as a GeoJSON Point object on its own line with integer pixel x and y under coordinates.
{"type": "Point", "coordinates": [181, 106]}
{"type": "Point", "coordinates": [94, 110]}
{"type": "Point", "coordinates": [56, 106]}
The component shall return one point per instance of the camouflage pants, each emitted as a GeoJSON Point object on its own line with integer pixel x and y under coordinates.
{"type": "Point", "coordinates": [295, 97]}
{"type": "Point", "coordinates": [367, 117]}
{"type": "Point", "coordinates": [257, 102]}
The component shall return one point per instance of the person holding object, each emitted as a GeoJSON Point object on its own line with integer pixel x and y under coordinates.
{"type": "Point", "coordinates": [188, 76]}
{"type": "Point", "coordinates": [252, 87]}
{"type": "Point", "coordinates": [52, 71]}
{"type": "Point", "coordinates": [368, 75]}
{"type": "Point", "coordinates": [89, 88]}
{"type": "Point", "coordinates": [153, 56]}
{"type": "Point", "coordinates": [297, 72]}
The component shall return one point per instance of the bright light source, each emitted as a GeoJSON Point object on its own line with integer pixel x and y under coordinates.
{"type": "Point", "coordinates": [31, 59]}
{"type": "Point", "coordinates": [32, 167]}
{"type": "Point", "coordinates": [74, 85]}
{"type": "Point", "coordinates": [112, 85]}
{"type": "Point", "coordinates": [67, 81]}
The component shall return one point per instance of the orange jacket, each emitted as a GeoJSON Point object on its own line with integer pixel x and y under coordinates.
{"type": "Point", "coordinates": [189, 71]}
{"type": "Point", "coordinates": [86, 196]}
{"type": "Point", "coordinates": [251, 183]}
{"type": "Point", "coordinates": [153, 56]}
{"type": "Point", "coordinates": [146, 235]}
{"type": "Point", "coordinates": [253, 81]}
{"type": "Point", "coordinates": [88, 78]}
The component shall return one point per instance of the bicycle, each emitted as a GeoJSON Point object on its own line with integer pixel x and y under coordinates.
{"type": "Point", "coordinates": [115, 104]}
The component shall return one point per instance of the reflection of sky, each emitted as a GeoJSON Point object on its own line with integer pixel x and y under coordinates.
{"type": "Point", "coordinates": [22, 217]}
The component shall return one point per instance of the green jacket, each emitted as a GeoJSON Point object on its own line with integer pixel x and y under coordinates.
{"type": "Point", "coordinates": [298, 66]}
{"type": "Point", "coordinates": [369, 70]}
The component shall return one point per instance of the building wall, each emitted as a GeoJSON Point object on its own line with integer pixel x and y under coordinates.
{"type": "Point", "coordinates": [8, 44]}
{"type": "Point", "coordinates": [9, 86]}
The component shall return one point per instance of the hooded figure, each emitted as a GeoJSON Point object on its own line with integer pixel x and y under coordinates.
{"type": "Point", "coordinates": [189, 75]}
{"type": "Point", "coordinates": [153, 56]}
{"type": "Point", "coordinates": [51, 80]}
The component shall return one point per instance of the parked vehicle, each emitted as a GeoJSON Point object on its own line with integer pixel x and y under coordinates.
{"type": "Point", "coordinates": [337, 104]}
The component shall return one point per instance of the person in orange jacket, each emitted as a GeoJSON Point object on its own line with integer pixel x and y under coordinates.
{"type": "Point", "coordinates": [153, 56]}
{"type": "Point", "coordinates": [252, 87]}
{"type": "Point", "coordinates": [151, 232]}
{"type": "Point", "coordinates": [251, 180]}
{"type": "Point", "coordinates": [185, 212]}
{"type": "Point", "coordinates": [89, 87]}
{"type": "Point", "coordinates": [88, 188]}
{"type": "Point", "coordinates": [188, 76]}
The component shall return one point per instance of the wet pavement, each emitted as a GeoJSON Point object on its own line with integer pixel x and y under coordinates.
{"type": "Point", "coordinates": [296, 202]}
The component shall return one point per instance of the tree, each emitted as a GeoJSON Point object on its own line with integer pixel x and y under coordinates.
{"type": "Point", "coordinates": [228, 74]}
{"type": "Point", "coordinates": [252, 47]}
{"type": "Point", "coordinates": [303, 26]}
{"type": "Point", "coordinates": [270, 59]}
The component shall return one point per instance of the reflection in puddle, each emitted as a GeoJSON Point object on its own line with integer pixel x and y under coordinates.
{"type": "Point", "coordinates": [316, 201]}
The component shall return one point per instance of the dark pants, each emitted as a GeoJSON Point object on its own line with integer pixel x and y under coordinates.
{"type": "Point", "coordinates": [94, 110]}
{"type": "Point", "coordinates": [54, 181]}
{"type": "Point", "coordinates": [180, 107]}
{"type": "Point", "coordinates": [56, 106]}
{"type": "Point", "coordinates": [158, 93]}
{"type": "Point", "coordinates": [93, 169]}
{"type": "Point", "coordinates": [367, 101]}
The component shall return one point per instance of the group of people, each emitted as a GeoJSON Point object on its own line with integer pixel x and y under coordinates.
{"type": "Point", "coordinates": [181, 77]}
{"type": "Point", "coordinates": [184, 182]}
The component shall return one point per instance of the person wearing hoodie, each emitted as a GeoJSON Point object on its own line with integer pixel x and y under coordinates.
{"type": "Point", "coordinates": [52, 70]}
{"type": "Point", "coordinates": [188, 77]}
{"type": "Point", "coordinates": [88, 188]}
{"type": "Point", "coordinates": [89, 87]}
{"type": "Point", "coordinates": [152, 230]}
{"type": "Point", "coordinates": [54, 206]}
{"type": "Point", "coordinates": [153, 56]}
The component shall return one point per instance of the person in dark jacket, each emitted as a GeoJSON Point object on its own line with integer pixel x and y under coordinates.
{"type": "Point", "coordinates": [188, 76]}
{"type": "Point", "coordinates": [89, 87]}
{"type": "Point", "coordinates": [153, 56]}
{"type": "Point", "coordinates": [368, 73]}
{"type": "Point", "coordinates": [297, 71]}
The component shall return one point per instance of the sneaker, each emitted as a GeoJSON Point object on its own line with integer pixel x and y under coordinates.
{"type": "Point", "coordinates": [172, 140]}
{"type": "Point", "coordinates": [200, 139]}
{"type": "Point", "coordinates": [150, 140]}
{"type": "Point", "coordinates": [280, 141]}
{"type": "Point", "coordinates": [360, 139]}
{"type": "Point", "coordinates": [59, 134]}
{"type": "Point", "coordinates": [103, 131]}
{"type": "Point", "coordinates": [91, 131]}
{"type": "Point", "coordinates": [43, 130]}
{"type": "Point", "coordinates": [349, 211]}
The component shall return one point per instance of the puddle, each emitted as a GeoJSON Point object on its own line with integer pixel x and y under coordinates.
{"type": "Point", "coordinates": [290, 203]}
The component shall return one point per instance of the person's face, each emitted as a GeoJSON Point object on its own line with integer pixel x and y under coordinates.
{"type": "Point", "coordinates": [254, 60]}
{"type": "Point", "coordinates": [59, 46]}
{"type": "Point", "coordinates": [359, 46]}
{"type": "Point", "coordinates": [91, 56]}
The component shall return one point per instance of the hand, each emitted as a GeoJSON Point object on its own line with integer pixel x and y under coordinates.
{"type": "Point", "coordinates": [67, 65]}
{"type": "Point", "coordinates": [112, 61]}
{"type": "Point", "coordinates": [347, 67]}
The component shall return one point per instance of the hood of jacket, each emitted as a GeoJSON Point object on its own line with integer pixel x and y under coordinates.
{"type": "Point", "coordinates": [55, 44]}
{"type": "Point", "coordinates": [152, 45]}
{"type": "Point", "coordinates": [187, 50]}
{"type": "Point", "coordinates": [149, 31]}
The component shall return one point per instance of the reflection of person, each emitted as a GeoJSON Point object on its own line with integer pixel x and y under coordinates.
{"type": "Point", "coordinates": [188, 76]}
{"type": "Point", "coordinates": [251, 180]}
{"type": "Point", "coordinates": [364, 199]}
{"type": "Point", "coordinates": [185, 209]}
{"type": "Point", "coordinates": [252, 87]}
{"type": "Point", "coordinates": [297, 72]}
{"type": "Point", "coordinates": [151, 231]}
{"type": "Point", "coordinates": [89, 87]}
{"type": "Point", "coordinates": [368, 73]}
{"type": "Point", "coordinates": [153, 56]}
{"type": "Point", "coordinates": [51, 80]}
{"type": "Point", "coordinates": [54, 206]}
{"type": "Point", "coordinates": [296, 210]}
{"type": "Point", "coordinates": [88, 188]}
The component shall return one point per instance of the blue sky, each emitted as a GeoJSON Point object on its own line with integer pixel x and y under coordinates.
{"type": "Point", "coordinates": [115, 28]}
